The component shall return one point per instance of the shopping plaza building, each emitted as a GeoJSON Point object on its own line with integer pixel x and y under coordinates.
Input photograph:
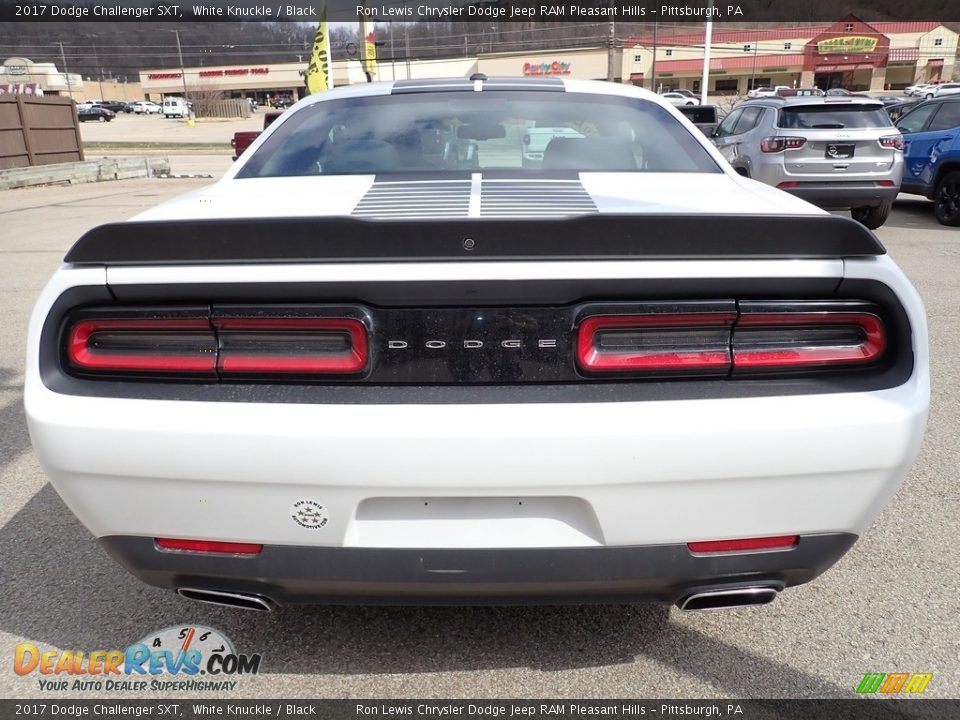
{"type": "Point", "coordinates": [849, 53]}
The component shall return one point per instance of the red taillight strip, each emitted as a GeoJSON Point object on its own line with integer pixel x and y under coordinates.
{"type": "Point", "coordinates": [208, 546]}
{"type": "Point", "coordinates": [873, 345]}
{"type": "Point", "coordinates": [84, 357]}
{"type": "Point", "coordinates": [353, 360]}
{"type": "Point", "coordinates": [590, 358]}
{"type": "Point", "coordinates": [779, 542]}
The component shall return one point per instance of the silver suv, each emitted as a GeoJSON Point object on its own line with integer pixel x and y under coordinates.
{"type": "Point", "coordinates": [841, 153]}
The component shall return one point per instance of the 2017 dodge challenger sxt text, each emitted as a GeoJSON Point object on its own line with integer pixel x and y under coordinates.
{"type": "Point", "coordinates": [357, 371]}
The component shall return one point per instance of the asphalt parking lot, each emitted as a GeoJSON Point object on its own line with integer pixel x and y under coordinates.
{"type": "Point", "coordinates": [890, 605]}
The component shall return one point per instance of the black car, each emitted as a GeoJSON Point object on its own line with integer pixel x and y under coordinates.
{"type": "Point", "coordinates": [113, 106]}
{"type": "Point", "coordinates": [95, 112]}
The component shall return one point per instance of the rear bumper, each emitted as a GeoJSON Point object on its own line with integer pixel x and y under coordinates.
{"type": "Point", "coordinates": [656, 573]}
{"type": "Point", "coordinates": [843, 196]}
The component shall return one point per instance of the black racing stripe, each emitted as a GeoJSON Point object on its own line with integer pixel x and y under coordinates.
{"type": "Point", "coordinates": [597, 236]}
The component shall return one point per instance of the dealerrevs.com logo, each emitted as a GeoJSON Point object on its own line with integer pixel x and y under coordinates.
{"type": "Point", "coordinates": [180, 657]}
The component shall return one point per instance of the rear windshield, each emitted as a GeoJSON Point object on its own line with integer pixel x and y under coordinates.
{"type": "Point", "coordinates": [815, 117]}
{"type": "Point", "coordinates": [443, 132]}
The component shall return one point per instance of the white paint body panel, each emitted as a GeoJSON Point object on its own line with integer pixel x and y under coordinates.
{"type": "Point", "coordinates": [617, 473]}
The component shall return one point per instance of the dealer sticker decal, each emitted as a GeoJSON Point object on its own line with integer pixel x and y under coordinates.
{"type": "Point", "coordinates": [309, 514]}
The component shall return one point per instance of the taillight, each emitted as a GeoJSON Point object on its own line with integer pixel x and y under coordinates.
{"type": "Point", "coordinates": [780, 542]}
{"type": "Point", "coordinates": [892, 141]}
{"type": "Point", "coordinates": [656, 342]}
{"type": "Point", "coordinates": [756, 337]}
{"type": "Point", "coordinates": [208, 546]}
{"type": "Point", "coordinates": [773, 336]}
{"type": "Point", "coordinates": [179, 346]}
{"type": "Point", "coordinates": [779, 144]}
{"type": "Point", "coordinates": [149, 343]}
{"type": "Point", "coordinates": [284, 345]}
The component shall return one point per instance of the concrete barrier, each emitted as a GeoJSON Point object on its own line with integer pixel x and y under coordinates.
{"type": "Point", "coordinates": [115, 168]}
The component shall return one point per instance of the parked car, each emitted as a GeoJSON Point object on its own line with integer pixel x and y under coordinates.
{"type": "Point", "coordinates": [175, 107]}
{"type": "Point", "coordinates": [145, 107]}
{"type": "Point", "coordinates": [129, 107]}
{"type": "Point", "coordinates": [687, 93]}
{"type": "Point", "coordinates": [838, 153]}
{"type": "Point", "coordinates": [899, 109]}
{"type": "Point", "coordinates": [800, 92]}
{"type": "Point", "coordinates": [113, 106]}
{"type": "Point", "coordinates": [343, 378]}
{"type": "Point", "coordinates": [888, 100]}
{"type": "Point", "coordinates": [95, 112]}
{"type": "Point", "coordinates": [705, 117]}
{"type": "Point", "coordinates": [947, 89]}
{"type": "Point", "coordinates": [242, 139]}
{"type": "Point", "coordinates": [766, 91]}
{"type": "Point", "coordinates": [931, 153]}
{"type": "Point", "coordinates": [675, 98]}
{"type": "Point", "coordinates": [916, 90]}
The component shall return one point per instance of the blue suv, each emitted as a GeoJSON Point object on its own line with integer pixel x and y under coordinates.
{"type": "Point", "coordinates": [931, 155]}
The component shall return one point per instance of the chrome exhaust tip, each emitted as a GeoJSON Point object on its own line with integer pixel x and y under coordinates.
{"type": "Point", "coordinates": [243, 601]}
{"type": "Point", "coordinates": [730, 598]}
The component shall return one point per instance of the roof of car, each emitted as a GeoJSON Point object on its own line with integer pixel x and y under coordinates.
{"type": "Point", "coordinates": [832, 101]}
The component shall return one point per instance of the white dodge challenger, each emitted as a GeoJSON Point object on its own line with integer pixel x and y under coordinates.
{"type": "Point", "coordinates": [393, 356]}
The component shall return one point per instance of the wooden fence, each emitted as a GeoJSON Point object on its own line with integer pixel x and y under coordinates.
{"type": "Point", "coordinates": [38, 131]}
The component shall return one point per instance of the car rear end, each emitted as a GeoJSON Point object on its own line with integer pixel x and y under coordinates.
{"type": "Point", "coordinates": [838, 153]}
{"type": "Point", "coordinates": [514, 400]}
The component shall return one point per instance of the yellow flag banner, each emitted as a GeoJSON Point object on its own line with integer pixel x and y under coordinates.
{"type": "Point", "coordinates": [320, 71]}
{"type": "Point", "coordinates": [369, 57]}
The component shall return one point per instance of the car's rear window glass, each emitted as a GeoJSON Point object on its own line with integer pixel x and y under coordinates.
{"type": "Point", "coordinates": [821, 117]}
{"type": "Point", "coordinates": [471, 131]}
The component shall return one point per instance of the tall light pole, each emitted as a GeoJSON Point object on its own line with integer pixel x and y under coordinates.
{"type": "Point", "coordinates": [707, 41]}
{"type": "Point", "coordinates": [66, 73]}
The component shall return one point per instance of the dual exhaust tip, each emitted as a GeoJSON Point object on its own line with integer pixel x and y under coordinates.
{"type": "Point", "coordinates": [240, 600]}
{"type": "Point", "coordinates": [708, 600]}
{"type": "Point", "coordinates": [729, 598]}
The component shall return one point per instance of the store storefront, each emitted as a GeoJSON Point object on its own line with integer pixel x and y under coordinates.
{"type": "Point", "coordinates": [849, 53]}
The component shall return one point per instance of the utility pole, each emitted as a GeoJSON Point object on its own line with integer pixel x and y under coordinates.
{"type": "Point", "coordinates": [707, 41]}
{"type": "Point", "coordinates": [611, 59]}
{"type": "Point", "coordinates": [66, 73]}
{"type": "Point", "coordinates": [653, 70]}
{"type": "Point", "coordinates": [406, 46]}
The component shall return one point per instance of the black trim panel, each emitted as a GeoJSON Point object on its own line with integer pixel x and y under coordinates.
{"type": "Point", "coordinates": [591, 237]}
{"type": "Point", "coordinates": [521, 293]}
{"type": "Point", "coordinates": [397, 576]}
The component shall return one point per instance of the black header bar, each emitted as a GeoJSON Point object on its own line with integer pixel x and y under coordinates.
{"type": "Point", "coordinates": [695, 11]}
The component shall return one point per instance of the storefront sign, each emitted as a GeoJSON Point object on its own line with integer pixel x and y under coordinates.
{"type": "Point", "coordinates": [234, 72]}
{"type": "Point", "coordinates": [163, 76]}
{"type": "Point", "coordinates": [15, 69]}
{"type": "Point", "coordinates": [847, 44]}
{"type": "Point", "coordinates": [554, 68]}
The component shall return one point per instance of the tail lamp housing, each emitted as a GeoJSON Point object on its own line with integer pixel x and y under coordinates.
{"type": "Point", "coordinates": [777, 143]}
{"type": "Point", "coordinates": [200, 345]}
{"type": "Point", "coordinates": [894, 142]}
{"type": "Point", "coordinates": [757, 338]}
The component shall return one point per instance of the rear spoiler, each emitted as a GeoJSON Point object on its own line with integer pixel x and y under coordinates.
{"type": "Point", "coordinates": [587, 237]}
